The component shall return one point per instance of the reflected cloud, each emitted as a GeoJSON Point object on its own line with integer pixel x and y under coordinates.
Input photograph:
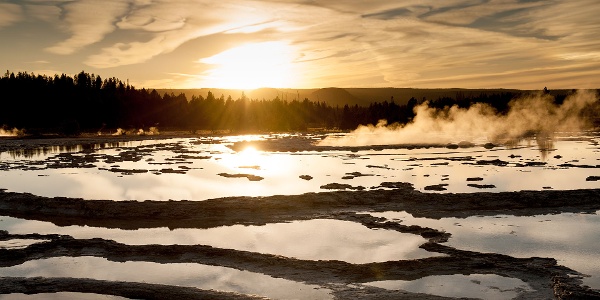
{"type": "Point", "coordinates": [569, 238]}
{"type": "Point", "coordinates": [309, 240]}
{"type": "Point", "coordinates": [481, 286]}
{"type": "Point", "coordinates": [182, 274]}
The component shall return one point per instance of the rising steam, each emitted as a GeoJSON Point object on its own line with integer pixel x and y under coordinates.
{"type": "Point", "coordinates": [533, 114]}
{"type": "Point", "coordinates": [151, 131]}
{"type": "Point", "coordinates": [11, 132]}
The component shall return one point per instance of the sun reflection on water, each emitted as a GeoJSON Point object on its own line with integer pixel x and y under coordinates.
{"type": "Point", "coordinates": [253, 160]}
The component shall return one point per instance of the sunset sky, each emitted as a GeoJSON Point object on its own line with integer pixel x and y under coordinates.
{"type": "Point", "coordinates": [525, 44]}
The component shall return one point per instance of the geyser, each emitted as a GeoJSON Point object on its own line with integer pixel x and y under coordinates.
{"type": "Point", "coordinates": [530, 114]}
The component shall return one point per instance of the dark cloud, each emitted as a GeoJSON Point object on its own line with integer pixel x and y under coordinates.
{"type": "Point", "coordinates": [390, 14]}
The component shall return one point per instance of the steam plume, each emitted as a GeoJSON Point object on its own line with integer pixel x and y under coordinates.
{"type": "Point", "coordinates": [11, 132]}
{"type": "Point", "coordinates": [530, 114]}
{"type": "Point", "coordinates": [120, 131]}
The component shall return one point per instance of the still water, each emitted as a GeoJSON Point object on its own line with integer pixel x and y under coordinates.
{"type": "Point", "coordinates": [182, 274]}
{"type": "Point", "coordinates": [205, 168]}
{"type": "Point", "coordinates": [480, 286]}
{"type": "Point", "coordinates": [311, 240]}
{"type": "Point", "coordinates": [197, 169]}
{"type": "Point", "coordinates": [572, 239]}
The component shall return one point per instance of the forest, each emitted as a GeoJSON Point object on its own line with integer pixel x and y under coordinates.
{"type": "Point", "coordinates": [41, 104]}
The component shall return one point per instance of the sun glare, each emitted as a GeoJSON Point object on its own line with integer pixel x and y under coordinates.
{"type": "Point", "coordinates": [255, 161]}
{"type": "Point", "coordinates": [251, 66]}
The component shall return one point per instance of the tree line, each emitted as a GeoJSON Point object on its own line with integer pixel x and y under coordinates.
{"type": "Point", "coordinates": [86, 102]}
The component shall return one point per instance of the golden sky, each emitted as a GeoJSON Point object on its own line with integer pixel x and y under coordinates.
{"type": "Point", "coordinates": [525, 44]}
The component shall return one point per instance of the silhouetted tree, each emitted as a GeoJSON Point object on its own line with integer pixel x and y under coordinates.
{"type": "Point", "coordinates": [86, 102]}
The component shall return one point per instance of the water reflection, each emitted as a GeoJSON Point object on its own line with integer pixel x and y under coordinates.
{"type": "Point", "coordinates": [46, 151]}
{"type": "Point", "coordinates": [572, 239]}
{"type": "Point", "coordinates": [545, 145]}
{"type": "Point", "coordinates": [43, 151]}
{"type": "Point", "coordinates": [310, 240]}
{"type": "Point", "coordinates": [188, 169]}
{"type": "Point", "coordinates": [18, 243]}
{"type": "Point", "coordinates": [482, 286]}
{"type": "Point", "coordinates": [60, 296]}
{"type": "Point", "coordinates": [182, 274]}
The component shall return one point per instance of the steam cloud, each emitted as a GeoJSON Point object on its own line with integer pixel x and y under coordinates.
{"type": "Point", "coordinates": [151, 131]}
{"type": "Point", "coordinates": [10, 132]}
{"type": "Point", "coordinates": [530, 114]}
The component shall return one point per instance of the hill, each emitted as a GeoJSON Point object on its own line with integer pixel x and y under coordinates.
{"type": "Point", "coordinates": [342, 96]}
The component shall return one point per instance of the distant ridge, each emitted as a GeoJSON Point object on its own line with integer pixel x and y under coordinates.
{"type": "Point", "coordinates": [336, 96]}
{"type": "Point", "coordinates": [342, 96]}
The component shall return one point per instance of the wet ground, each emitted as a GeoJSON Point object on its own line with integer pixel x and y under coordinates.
{"type": "Point", "coordinates": [280, 217]}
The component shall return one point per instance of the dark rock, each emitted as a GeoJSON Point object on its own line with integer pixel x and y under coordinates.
{"type": "Point", "coordinates": [305, 177]}
{"type": "Point", "coordinates": [474, 179]}
{"type": "Point", "coordinates": [482, 186]}
{"type": "Point", "coordinates": [489, 146]}
{"type": "Point", "coordinates": [248, 176]}
{"type": "Point", "coordinates": [465, 144]}
{"type": "Point", "coordinates": [436, 187]}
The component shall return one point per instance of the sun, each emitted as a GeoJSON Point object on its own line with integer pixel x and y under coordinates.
{"type": "Point", "coordinates": [251, 66]}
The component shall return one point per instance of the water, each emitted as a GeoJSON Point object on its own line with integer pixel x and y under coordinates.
{"type": "Point", "coordinates": [194, 169]}
{"type": "Point", "coordinates": [481, 286]}
{"type": "Point", "coordinates": [311, 240]}
{"type": "Point", "coordinates": [572, 239]}
{"type": "Point", "coordinates": [59, 296]}
{"type": "Point", "coordinates": [206, 168]}
{"type": "Point", "coordinates": [181, 274]}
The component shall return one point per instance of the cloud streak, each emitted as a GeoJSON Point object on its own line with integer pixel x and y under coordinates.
{"type": "Point", "coordinates": [414, 43]}
{"type": "Point", "coordinates": [89, 22]}
{"type": "Point", "coordinates": [10, 14]}
{"type": "Point", "coordinates": [172, 24]}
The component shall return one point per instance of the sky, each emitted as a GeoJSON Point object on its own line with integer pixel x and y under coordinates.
{"type": "Point", "coordinates": [245, 44]}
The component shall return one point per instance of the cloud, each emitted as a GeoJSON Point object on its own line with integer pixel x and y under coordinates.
{"type": "Point", "coordinates": [38, 62]}
{"type": "Point", "coordinates": [50, 73]}
{"type": "Point", "coordinates": [566, 77]}
{"type": "Point", "coordinates": [10, 14]}
{"type": "Point", "coordinates": [89, 22]}
{"type": "Point", "coordinates": [469, 13]}
{"type": "Point", "coordinates": [441, 51]}
{"type": "Point", "coordinates": [46, 13]}
{"type": "Point", "coordinates": [183, 21]}
{"type": "Point", "coordinates": [413, 43]}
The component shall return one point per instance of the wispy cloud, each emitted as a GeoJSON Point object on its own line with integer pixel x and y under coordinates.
{"type": "Point", "coordinates": [418, 43]}
{"type": "Point", "coordinates": [38, 62]}
{"type": "Point", "coordinates": [173, 24]}
{"type": "Point", "coordinates": [43, 11]}
{"type": "Point", "coordinates": [10, 13]}
{"type": "Point", "coordinates": [88, 21]}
